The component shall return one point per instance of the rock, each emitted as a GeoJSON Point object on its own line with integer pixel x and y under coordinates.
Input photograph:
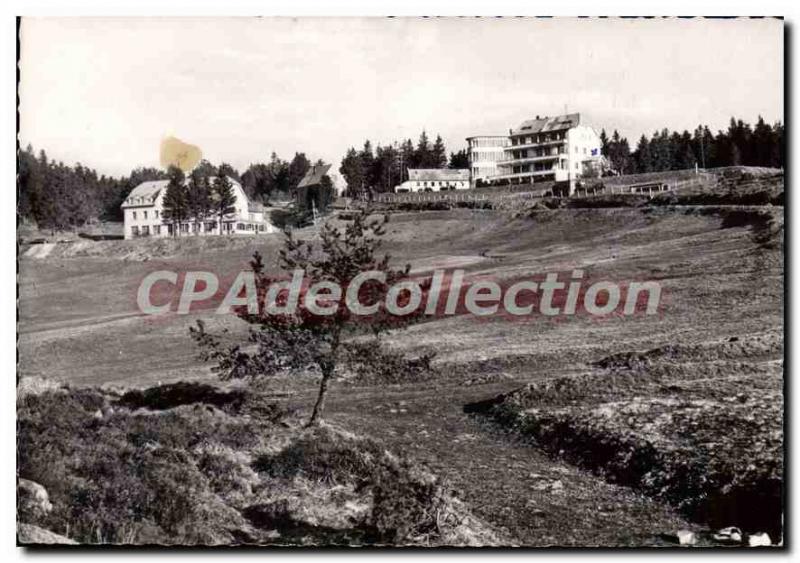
{"type": "Point", "coordinates": [759, 540]}
{"type": "Point", "coordinates": [32, 500]}
{"type": "Point", "coordinates": [686, 537]}
{"type": "Point", "coordinates": [28, 534]}
{"type": "Point", "coordinates": [731, 534]}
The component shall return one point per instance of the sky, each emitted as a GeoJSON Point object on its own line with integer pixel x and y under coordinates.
{"type": "Point", "coordinates": [106, 91]}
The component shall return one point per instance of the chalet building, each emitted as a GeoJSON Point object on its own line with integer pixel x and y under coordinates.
{"type": "Point", "coordinates": [308, 189]}
{"type": "Point", "coordinates": [559, 148]}
{"type": "Point", "coordinates": [434, 180]}
{"type": "Point", "coordinates": [144, 215]}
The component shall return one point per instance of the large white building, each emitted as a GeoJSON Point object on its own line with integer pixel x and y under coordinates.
{"type": "Point", "coordinates": [143, 211]}
{"type": "Point", "coordinates": [558, 148]}
{"type": "Point", "coordinates": [435, 180]}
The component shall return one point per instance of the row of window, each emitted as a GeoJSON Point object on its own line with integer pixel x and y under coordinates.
{"type": "Point", "coordinates": [487, 156]}
{"type": "Point", "coordinates": [483, 171]}
{"type": "Point", "coordinates": [155, 214]}
{"type": "Point", "coordinates": [488, 142]}
{"type": "Point", "coordinates": [144, 231]}
{"type": "Point", "coordinates": [542, 167]}
{"type": "Point", "coordinates": [185, 228]}
{"type": "Point", "coordinates": [532, 153]}
{"type": "Point", "coordinates": [437, 183]}
{"type": "Point", "coordinates": [541, 138]}
{"type": "Point", "coordinates": [550, 151]}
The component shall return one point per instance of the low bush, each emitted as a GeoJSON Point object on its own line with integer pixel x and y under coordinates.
{"type": "Point", "coordinates": [196, 475]}
{"type": "Point", "coordinates": [114, 476]}
{"type": "Point", "coordinates": [182, 393]}
{"type": "Point", "coordinates": [325, 456]}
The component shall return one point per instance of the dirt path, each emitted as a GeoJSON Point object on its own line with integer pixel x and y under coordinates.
{"type": "Point", "coordinates": [535, 500]}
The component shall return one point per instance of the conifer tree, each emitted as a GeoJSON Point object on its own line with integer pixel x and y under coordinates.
{"type": "Point", "coordinates": [175, 206]}
{"type": "Point", "coordinates": [224, 198]}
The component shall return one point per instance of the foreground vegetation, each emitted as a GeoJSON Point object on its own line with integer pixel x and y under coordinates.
{"type": "Point", "coordinates": [194, 464]}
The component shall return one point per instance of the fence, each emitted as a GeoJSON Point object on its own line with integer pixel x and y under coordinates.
{"type": "Point", "coordinates": [634, 184]}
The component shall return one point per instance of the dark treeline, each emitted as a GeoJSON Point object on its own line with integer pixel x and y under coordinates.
{"type": "Point", "coordinates": [58, 196]}
{"type": "Point", "coordinates": [739, 145]}
{"type": "Point", "coordinates": [382, 168]}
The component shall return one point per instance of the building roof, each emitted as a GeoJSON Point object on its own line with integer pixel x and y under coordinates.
{"type": "Point", "coordinates": [147, 193]}
{"type": "Point", "coordinates": [314, 175]}
{"type": "Point", "coordinates": [438, 174]}
{"type": "Point", "coordinates": [547, 124]}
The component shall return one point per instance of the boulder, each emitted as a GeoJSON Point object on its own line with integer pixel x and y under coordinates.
{"type": "Point", "coordinates": [28, 534]}
{"type": "Point", "coordinates": [32, 500]}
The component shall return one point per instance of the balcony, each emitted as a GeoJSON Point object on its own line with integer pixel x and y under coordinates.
{"type": "Point", "coordinates": [534, 144]}
{"type": "Point", "coordinates": [557, 173]}
{"type": "Point", "coordinates": [532, 159]}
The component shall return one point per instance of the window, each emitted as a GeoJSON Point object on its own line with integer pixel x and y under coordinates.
{"type": "Point", "coordinates": [133, 213]}
{"type": "Point", "coordinates": [156, 213]}
{"type": "Point", "coordinates": [135, 231]}
{"type": "Point", "coordinates": [156, 229]}
{"type": "Point", "coordinates": [184, 227]}
{"type": "Point", "coordinates": [145, 214]}
{"type": "Point", "coordinates": [145, 231]}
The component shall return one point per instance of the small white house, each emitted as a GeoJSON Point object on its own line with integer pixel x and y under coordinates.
{"type": "Point", "coordinates": [144, 216]}
{"type": "Point", "coordinates": [434, 180]}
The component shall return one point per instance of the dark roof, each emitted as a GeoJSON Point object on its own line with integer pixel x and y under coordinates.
{"type": "Point", "coordinates": [547, 124]}
{"type": "Point", "coordinates": [314, 175]}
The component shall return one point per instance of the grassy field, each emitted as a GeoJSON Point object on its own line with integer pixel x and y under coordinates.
{"type": "Point", "coordinates": [721, 270]}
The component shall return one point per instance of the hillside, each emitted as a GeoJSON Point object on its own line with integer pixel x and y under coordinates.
{"type": "Point", "coordinates": [717, 340]}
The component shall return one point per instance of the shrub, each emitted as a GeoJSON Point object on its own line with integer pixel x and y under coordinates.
{"type": "Point", "coordinates": [408, 505]}
{"type": "Point", "coordinates": [182, 393]}
{"type": "Point", "coordinates": [121, 477]}
{"type": "Point", "coordinates": [325, 456]}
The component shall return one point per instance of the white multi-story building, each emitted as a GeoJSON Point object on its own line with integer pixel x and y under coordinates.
{"type": "Point", "coordinates": [143, 211]}
{"type": "Point", "coordinates": [556, 148]}
{"type": "Point", "coordinates": [434, 180]}
{"type": "Point", "coordinates": [485, 153]}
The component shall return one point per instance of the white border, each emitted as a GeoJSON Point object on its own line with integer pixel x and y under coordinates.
{"type": "Point", "coordinates": [301, 8]}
